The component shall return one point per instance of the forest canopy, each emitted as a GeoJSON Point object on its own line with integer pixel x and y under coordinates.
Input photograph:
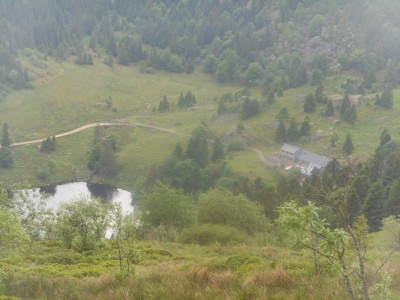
{"type": "Point", "coordinates": [279, 44]}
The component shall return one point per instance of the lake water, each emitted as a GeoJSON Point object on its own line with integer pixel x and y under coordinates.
{"type": "Point", "coordinates": [66, 192]}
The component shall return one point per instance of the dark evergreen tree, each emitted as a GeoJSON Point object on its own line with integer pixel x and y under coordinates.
{"type": "Point", "coordinates": [350, 114]}
{"type": "Point", "coordinates": [392, 204]}
{"type": "Point", "coordinates": [218, 150]}
{"type": "Point", "coordinates": [348, 145]}
{"type": "Point", "coordinates": [292, 133]}
{"type": "Point", "coordinates": [5, 137]}
{"type": "Point", "coordinates": [309, 104]}
{"type": "Point", "coordinates": [305, 127]}
{"type": "Point", "coordinates": [297, 73]}
{"type": "Point", "coordinates": [345, 105]}
{"type": "Point", "coordinates": [49, 144]}
{"type": "Point", "coordinates": [384, 137]}
{"type": "Point", "coordinates": [94, 157]}
{"type": "Point", "coordinates": [178, 151]}
{"type": "Point", "coordinates": [386, 99]}
{"type": "Point", "coordinates": [357, 194]}
{"type": "Point", "coordinates": [280, 135]}
{"type": "Point", "coordinates": [187, 101]}
{"type": "Point", "coordinates": [6, 157]}
{"type": "Point", "coordinates": [319, 94]}
{"type": "Point", "coordinates": [282, 187]}
{"type": "Point", "coordinates": [210, 64]}
{"type": "Point", "coordinates": [164, 104]}
{"type": "Point", "coordinates": [181, 101]}
{"type": "Point", "coordinates": [250, 108]}
{"type": "Point", "coordinates": [197, 150]}
{"type": "Point", "coordinates": [106, 165]}
{"type": "Point", "coordinates": [373, 206]}
{"type": "Point", "coordinates": [201, 153]}
{"type": "Point", "coordinates": [330, 110]}
{"type": "Point", "coordinates": [271, 97]}
{"type": "Point", "coordinates": [283, 114]}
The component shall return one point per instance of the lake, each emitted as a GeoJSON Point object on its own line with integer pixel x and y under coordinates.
{"type": "Point", "coordinates": [66, 192]}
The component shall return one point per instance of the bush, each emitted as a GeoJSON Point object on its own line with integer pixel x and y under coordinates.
{"type": "Point", "coordinates": [236, 145]}
{"type": "Point", "coordinates": [207, 234]}
{"type": "Point", "coordinates": [62, 258]}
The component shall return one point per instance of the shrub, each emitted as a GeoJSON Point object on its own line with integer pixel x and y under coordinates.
{"type": "Point", "coordinates": [207, 234]}
{"type": "Point", "coordinates": [236, 145]}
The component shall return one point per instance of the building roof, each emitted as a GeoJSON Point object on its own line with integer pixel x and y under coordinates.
{"type": "Point", "coordinates": [311, 159]}
{"type": "Point", "coordinates": [314, 160]}
{"type": "Point", "coordinates": [290, 148]}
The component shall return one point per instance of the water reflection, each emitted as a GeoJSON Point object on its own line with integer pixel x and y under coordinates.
{"type": "Point", "coordinates": [58, 194]}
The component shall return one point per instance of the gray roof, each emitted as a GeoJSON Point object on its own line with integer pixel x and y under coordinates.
{"type": "Point", "coordinates": [290, 148]}
{"type": "Point", "coordinates": [313, 159]}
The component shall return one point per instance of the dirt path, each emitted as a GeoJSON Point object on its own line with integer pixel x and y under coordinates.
{"type": "Point", "coordinates": [261, 157]}
{"type": "Point", "coordinates": [91, 125]}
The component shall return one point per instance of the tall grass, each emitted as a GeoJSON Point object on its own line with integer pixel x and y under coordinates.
{"type": "Point", "coordinates": [173, 271]}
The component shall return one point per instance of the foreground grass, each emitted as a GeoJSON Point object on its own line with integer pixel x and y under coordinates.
{"type": "Point", "coordinates": [181, 271]}
{"type": "Point", "coordinates": [169, 271]}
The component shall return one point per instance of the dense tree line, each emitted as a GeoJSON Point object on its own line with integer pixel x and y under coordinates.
{"type": "Point", "coordinates": [256, 43]}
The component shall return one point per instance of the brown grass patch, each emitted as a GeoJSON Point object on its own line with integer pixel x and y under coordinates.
{"type": "Point", "coordinates": [276, 278]}
{"type": "Point", "coordinates": [199, 274]}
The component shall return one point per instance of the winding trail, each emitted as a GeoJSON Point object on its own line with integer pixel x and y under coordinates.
{"type": "Point", "coordinates": [261, 157]}
{"type": "Point", "coordinates": [91, 125]}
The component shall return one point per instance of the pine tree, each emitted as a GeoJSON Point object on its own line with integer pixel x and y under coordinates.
{"type": "Point", "coordinates": [330, 110]}
{"type": "Point", "coordinates": [373, 206]}
{"type": "Point", "coordinates": [198, 151]}
{"type": "Point", "coordinates": [49, 144]}
{"type": "Point", "coordinates": [269, 94]}
{"type": "Point", "coordinates": [298, 73]}
{"type": "Point", "coordinates": [292, 131]}
{"type": "Point", "coordinates": [384, 137]}
{"type": "Point", "coordinates": [283, 114]}
{"type": "Point", "coordinates": [305, 127]}
{"type": "Point", "coordinates": [106, 164]}
{"type": "Point", "coordinates": [280, 135]}
{"type": "Point", "coordinates": [218, 150]}
{"type": "Point", "coordinates": [250, 108]}
{"type": "Point", "coordinates": [282, 187]}
{"type": "Point", "coordinates": [386, 99]}
{"type": "Point", "coordinates": [164, 104]}
{"type": "Point", "coordinates": [6, 157]}
{"type": "Point", "coordinates": [181, 101]}
{"type": "Point", "coordinates": [309, 104]}
{"type": "Point", "coordinates": [94, 157]}
{"type": "Point", "coordinates": [178, 151]}
{"type": "Point", "coordinates": [5, 138]}
{"type": "Point", "coordinates": [345, 105]}
{"type": "Point", "coordinates": [350, 114]}
{"type": "Point", "coordinates": [392, 205]}
{"type": "Point", "coordinates": [357, 193]}
{"type": "Point", "coordinates": [319, 94]}
{"type": "Point", "coordinates": [348, 145]}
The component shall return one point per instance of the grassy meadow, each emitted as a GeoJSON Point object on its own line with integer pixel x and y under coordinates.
{"type": "Point", "coordinates": [168, 271]}
{"type": "Point", "coordinates": [66, 96]}
{"type": "Point", "coordinates": [179, 271]}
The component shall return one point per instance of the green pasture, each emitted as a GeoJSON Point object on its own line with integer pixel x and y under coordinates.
{"type": "Point", "coordinates": [66, 96]}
